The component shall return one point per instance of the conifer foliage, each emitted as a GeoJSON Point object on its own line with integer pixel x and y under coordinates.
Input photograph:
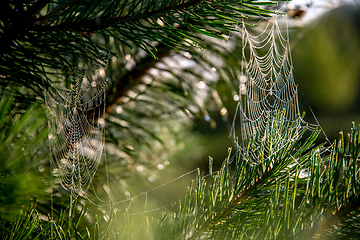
{"type": "Point", "coordinates": [167, 62]}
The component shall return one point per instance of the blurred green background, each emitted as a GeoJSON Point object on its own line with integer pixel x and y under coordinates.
{"type": "Point", "coordinates": [326, 56]}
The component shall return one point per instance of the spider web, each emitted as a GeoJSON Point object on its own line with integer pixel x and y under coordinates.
{"type": "Point", "coordinates": [268, 94]}
{"type": "Point", "coordinates": [76, 129]}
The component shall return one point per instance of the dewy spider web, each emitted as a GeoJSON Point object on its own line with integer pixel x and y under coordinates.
{"type": "Point", "coordinates": [76, 129]}
{"type": "Point", "coordinates": [267, 90]}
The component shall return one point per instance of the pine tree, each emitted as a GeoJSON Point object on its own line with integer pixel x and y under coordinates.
{"type": "Point", "coordinates": [158, 56]}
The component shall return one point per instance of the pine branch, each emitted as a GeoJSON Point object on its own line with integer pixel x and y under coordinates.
{"type": "Point", "coordinates": [226, 199]}
{"type": "Point", "coordinates": [327, 223]}
{"type": "Point", "coordinates": [63, 35]}
{"type": "Point", "coordinates": [102, 22]}
{"type": "Point", "coordinates": [338, 188]}
{"type": "Point", "coordinates": [233, 204]}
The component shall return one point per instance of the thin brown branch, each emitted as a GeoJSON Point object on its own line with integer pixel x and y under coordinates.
{"type": "Point", "coordinates": [318, 229]}
{"type": "Point", "coordinates": [133, 77]}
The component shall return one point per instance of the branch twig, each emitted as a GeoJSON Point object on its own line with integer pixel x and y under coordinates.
{"type": "Point", "coordinates": [133, 77]}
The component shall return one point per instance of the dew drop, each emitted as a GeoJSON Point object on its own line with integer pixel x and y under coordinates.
{"type": "Point", "coordinates": [102, 72]}
{"type": "Point", "coordinates": [223, 111]}
{"type": "Point", "coordinates": [160, 166]}
{"type": "Point", "coordinates": [243, 79]}
{"type": "Point", "coordinates": [140, 168]}
{"type": "Point", "coordinates": [64, 161]}
{"type": "Point", "coordinates": [201, 84]}
{"type": "Point", "coordinates": [119, 109]}
{"type": "Point", "coordinates": [242, 89]}
{"type": "Point", "coordinates": [101, 122]}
